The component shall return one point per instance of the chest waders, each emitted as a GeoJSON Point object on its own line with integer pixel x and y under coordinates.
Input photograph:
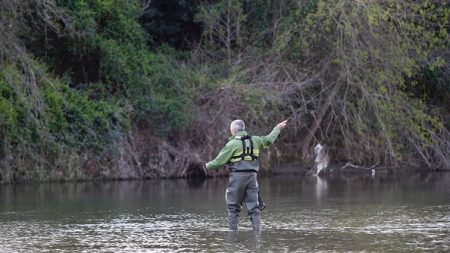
{"type": "Point", "coordinates": [248, 152]}
{"type": "Point", "coordinates": [243, 166]}
{"type": "Point", "coordinates": [242, 152]}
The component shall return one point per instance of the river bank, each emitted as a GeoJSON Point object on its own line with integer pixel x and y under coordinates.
{"type": "Point", "coordinates": [147, 89]}
{"type": "Point", "coordinates": [292, 169]}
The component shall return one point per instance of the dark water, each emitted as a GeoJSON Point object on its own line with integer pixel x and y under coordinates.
{"type": "Point", "coordinates": [332, 214]}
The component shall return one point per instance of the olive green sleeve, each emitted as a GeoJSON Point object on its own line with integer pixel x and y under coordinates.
{"type": "Point", "coordinates": [223, 157]}
{"type": "Point", "coordinates": [270, 138]}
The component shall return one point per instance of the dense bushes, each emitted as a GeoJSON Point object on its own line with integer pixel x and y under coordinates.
{"type": "Point", "coordinates": [114, 89]}
{"type": "Point", "coordinates": [366, 60]}
{"type": "Point", "coordinates": [107, 80]}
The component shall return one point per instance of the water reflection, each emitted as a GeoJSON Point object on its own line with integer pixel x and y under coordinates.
{"type": "Point", "coordinates": [321, 187]}
{"type": "Point", "coordinates": [331, 213]}
{"type": "Point", "coordinates": [243, 240]}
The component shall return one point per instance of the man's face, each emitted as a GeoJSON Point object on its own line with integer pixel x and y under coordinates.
{"type": "Point", "coordinates": [232, 131]}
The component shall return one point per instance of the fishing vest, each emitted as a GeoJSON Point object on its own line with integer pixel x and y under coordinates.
{"type": "Point", "coordinates": [247, 159]}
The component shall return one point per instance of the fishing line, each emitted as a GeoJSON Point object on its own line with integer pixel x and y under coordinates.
{"type": "Point", "coordinates": [310, 100]}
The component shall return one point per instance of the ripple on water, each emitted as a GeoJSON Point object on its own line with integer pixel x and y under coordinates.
{"type": "Point", "coordinates": [388, 224]}
{"type": "Point", "coordinates": [191, 232]}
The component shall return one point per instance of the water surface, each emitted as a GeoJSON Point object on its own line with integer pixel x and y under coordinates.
{"type": "Point", "coordinates": [384, 213]}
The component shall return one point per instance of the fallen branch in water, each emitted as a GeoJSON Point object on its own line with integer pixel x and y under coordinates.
{"type": "Point", "coordinates": [359, 167]}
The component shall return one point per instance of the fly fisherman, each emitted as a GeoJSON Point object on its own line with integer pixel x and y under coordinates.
{"type": "Point", "coordinates": [241, 152]}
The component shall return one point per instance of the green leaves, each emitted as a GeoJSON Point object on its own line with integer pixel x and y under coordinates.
{"type": "Point", "coordinates": [378, 48]}
{"type": "Point", "coordinates": [126, 69]}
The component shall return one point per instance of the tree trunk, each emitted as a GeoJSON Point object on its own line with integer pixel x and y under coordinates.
{"type": "Point", "coordinates": [229, 32]}
{"type": "Point", "coordinates": [317, 120]}
{"type": "Point", "coordinates": [145, 4]}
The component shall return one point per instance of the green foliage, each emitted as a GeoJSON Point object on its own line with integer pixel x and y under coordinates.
{"type": "Point", "coordinates": [54, 109]}
{"type": "Point", "coordinates": [109, 82]}
{"type": "Point", "coordinates": [67, 115]}
{"type": "Point", "coordinates": [78, 121]}
{"type": "Point", "coordinates": [10, 111]}
{"type": "Point", "coordinates": [126, 68]}
{"type": "Point", "coordinates": [42, 120]}
{"type": "Point", "coordinates": [16, 108]}
{"type": "Point", "coordinates": [431, 84]}
{"type": "Point", "coordinates": [78, 75]}
{"type": "Point", "coordinates": [376, 49]}
{"type": "Point", "coordinates": [171, 22]}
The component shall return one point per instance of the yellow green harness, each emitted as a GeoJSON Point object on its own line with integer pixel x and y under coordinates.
{"type": "Point", "coordinates": [248, 153]}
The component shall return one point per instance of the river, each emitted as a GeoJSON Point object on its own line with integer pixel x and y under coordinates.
{"type": "Point", "coordinates": [335, 213]}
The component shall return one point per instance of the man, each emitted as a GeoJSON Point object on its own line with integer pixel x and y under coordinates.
{"type": "Point", "coordinates": [242, 152]}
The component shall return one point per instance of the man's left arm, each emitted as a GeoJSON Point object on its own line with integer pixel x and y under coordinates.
{"type": "Point", "coordinates": [222, 158]}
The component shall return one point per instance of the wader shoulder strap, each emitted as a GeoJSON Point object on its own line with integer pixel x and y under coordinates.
{"type": "Point", "coordinates": [247, 149]}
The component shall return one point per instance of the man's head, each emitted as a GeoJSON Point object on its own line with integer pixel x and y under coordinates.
{"type": "Point", "coordinates": [236, 126]}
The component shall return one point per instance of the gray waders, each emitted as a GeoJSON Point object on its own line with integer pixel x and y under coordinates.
{"type": "Point", "coordinates": [243, 189]}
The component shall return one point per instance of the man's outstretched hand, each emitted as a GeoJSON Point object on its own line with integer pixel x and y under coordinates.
{"type": "Point", "coordinates": [282, 125]}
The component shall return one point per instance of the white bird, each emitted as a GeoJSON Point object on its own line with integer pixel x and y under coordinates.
{"type": "Point", "coordinates": [322, 158]}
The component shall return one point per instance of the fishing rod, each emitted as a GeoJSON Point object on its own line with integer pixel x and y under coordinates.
{"type": "Point", "coordinates": [307, 102]}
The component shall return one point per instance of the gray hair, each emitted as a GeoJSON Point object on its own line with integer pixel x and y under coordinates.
{"type": "Point", "coordinates": [238, 125]}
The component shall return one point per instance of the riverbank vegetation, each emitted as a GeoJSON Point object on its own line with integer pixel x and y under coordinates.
{"type": "Point", "coordinates": [119, 89]}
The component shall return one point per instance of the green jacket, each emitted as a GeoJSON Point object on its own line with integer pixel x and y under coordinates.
{"type": "Point", "coordinates": [234, 147]}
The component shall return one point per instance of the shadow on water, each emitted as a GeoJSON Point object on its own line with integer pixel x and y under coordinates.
{"type": "Point", "coordinates": [196, 182]}
{"type": "Point", "coordinates": [382, 213]}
